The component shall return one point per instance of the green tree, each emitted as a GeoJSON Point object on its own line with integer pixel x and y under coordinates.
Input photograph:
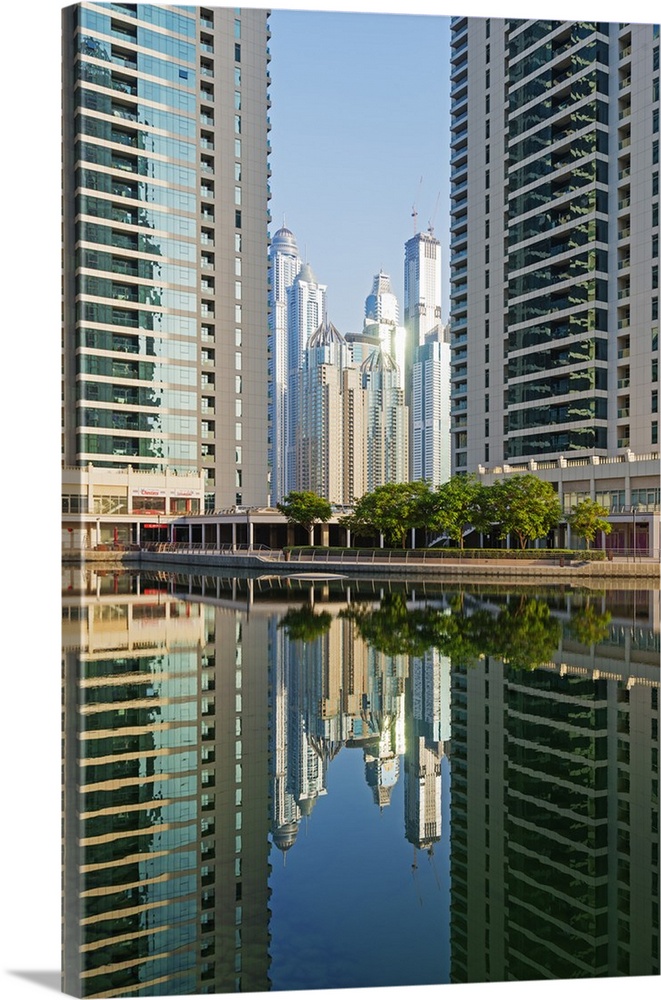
{"type": "Point", "coordinates": [525, 506]}
{"type": "Point", "coordinates": [305, 508]}
{"type": "Point", "coordinates": [587, 518]}
{"type": "Point", "coordinates": [391, 510]}
{"type": "Point", "coordinates": [459, 506]}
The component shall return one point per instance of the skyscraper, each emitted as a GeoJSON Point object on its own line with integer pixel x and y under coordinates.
{"type": "Point", "coordinates": [322, 441]}
{"type": "Point", "coordinates": [382, 319]}
{"type": "Point", "coordinates": [285, 263]}
{"type": "Point", "coordinates": [165, 185]}
{"type": "Point", "coordinates": [422, 287]}
{"type": "Point", "coordinates": [430, 408]}
{"type": "Point", "coordinates": [386, 421]}
{"type": "Point", "coordinates": [306, 308]}
{"type": "Point", "coordinates": [554, 243]}
{"type": "Point", "coordinates": [427, 372]}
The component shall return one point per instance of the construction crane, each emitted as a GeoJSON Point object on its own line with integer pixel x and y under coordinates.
{"type": "Point", "coordinates": [430, 227]}
{"type": "Point", "coordinates": [414, 213]}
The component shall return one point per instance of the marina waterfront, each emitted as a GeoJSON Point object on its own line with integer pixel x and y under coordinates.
{"type": "Point", "coordinates": [316, 782]}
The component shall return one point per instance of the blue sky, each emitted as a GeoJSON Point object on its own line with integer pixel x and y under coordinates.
{"type": "Point", "coordinates": [360, 114]}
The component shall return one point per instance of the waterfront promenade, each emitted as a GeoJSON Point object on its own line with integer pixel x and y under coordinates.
{"type": "Point", "coordinates": [388, 562]}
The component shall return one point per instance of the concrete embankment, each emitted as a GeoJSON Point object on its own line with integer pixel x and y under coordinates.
{"type": "Point", "coordinates": [581, 572]}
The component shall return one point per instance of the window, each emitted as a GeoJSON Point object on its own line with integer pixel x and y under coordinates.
{"type": "Point", "coordinates": [237, 218]}
{"type": "Point", "coordinates": [237, 52]}
{"type": "Point", "coordinates": [237, 242]}
{"type": "Point", "coordinates": [655, 400]}
{"type": "Point", "coordinates": [655, 432]}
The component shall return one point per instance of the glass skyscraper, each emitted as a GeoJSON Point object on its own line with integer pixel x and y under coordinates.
{"type": "Point", "coordinates": [165, 199]}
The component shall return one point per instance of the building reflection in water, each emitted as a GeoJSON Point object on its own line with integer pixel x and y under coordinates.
{"type": "Point", "coordinates": [202, 715]}
{"type": "Point", "coordinates": [166, 779]}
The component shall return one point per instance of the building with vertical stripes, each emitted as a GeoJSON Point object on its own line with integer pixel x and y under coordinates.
{"type": "Point", "coordinates": [165, 213]}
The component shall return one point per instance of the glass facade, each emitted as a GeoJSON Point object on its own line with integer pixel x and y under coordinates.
{"type": "Point", "coordinates": [152, 238]}
{"type": "Point", "coordinates": [118, 295]}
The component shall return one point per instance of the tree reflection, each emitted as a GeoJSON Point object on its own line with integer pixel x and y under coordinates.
{"type": "Point", "coordinates": [524, 634]}
{"type": "Point", "coordinates": [305, 624]}
{"type": "Point", "coordinates": [589, 626]}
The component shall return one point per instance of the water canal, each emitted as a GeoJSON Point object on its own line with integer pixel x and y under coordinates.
{"type": "Point", "coordinates": [304, 784]}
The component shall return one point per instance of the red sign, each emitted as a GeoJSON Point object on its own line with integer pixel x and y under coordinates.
{"type": "Point", "coordinates": [154, 526]}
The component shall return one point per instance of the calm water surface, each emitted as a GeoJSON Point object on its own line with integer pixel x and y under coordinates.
{"type": "Point", "coordinates": [305, 784]}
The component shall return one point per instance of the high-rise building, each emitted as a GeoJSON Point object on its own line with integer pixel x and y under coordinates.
{"type": "Point", "coordinates": [422, 286]}
{"type": "Point", "coordinates": [322, 441]}
{"type": "Point", "coordinates": [165, 195]}
{"type": "Point", "coordinates": [382, 319]}
{"type": "Point", "coordinates": [430, 408]}
{"type": "Point", "coordinates": [422, 316]}
{"type": "Point", "coordinates": [306, 308]}
{"type": "Point", "coordinates": [386, 421]}
{"type": "Point", "coordinates": [555, 245]}
{"type": "Point", "coordinates": [285, 263]}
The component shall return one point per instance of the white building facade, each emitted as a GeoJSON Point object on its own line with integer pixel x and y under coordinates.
{"type": "Point", "coordinates": [430, 409]}
{"type": "Point", "coordinates": [422, 316]}
{"type": "Point", "coordinates": [284, 265]}
{"type": "Point", "coordinates": [306, 308]}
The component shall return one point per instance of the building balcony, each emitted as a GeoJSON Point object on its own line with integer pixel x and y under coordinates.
{"type": "Point", "coordinates": [623, 383]}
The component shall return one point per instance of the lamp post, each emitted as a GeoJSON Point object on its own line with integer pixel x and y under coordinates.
{"type": "Point", "coordinates": [633, 530]}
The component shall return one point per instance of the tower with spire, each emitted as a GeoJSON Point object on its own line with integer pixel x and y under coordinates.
{"type": "Point", "coordinates": [306, 309]}
{"type": "Point", "coordinates": [284, 264]}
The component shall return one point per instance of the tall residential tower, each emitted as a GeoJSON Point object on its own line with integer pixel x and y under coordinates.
{"type": "Point", "coordinates": [554, 242]}
{"type": "Point", "coordinates": [284, 265]}
{"type": "Point", "coordinates": [165, 196]}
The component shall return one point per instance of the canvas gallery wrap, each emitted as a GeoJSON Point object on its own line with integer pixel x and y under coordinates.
{"type": "Point", "coordinates": [361, 500]}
